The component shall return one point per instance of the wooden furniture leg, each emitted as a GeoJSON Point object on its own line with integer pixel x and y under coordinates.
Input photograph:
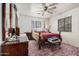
{"type": "Point", "coordinates": [39, 44]}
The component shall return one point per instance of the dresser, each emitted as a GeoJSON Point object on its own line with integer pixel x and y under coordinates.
{"type": "Point", "coordinates": [16, 48]}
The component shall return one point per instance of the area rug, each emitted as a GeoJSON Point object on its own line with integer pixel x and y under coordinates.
{"type": "Point", "coordinates": [47, 50]}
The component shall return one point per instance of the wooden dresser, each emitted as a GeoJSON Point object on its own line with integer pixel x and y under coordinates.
{"type": "Point", "coordinates": [16, 48]}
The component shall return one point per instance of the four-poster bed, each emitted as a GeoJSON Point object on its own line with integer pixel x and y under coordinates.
{"type": "Point", "coordinates": [42, 37]}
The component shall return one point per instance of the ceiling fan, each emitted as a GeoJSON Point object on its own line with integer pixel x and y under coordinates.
{"type": "Point", "coordinates": [48, 8]}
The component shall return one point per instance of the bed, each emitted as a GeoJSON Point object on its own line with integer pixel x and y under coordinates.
{"type": "Point", "coordinates": [43, 36]}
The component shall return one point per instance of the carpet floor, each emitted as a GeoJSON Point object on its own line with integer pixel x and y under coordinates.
{"type": "Point", "coordinates": [48, 50]}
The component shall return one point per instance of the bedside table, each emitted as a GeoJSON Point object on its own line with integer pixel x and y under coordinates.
{"type": "Point", "coordinates": [29, 35]}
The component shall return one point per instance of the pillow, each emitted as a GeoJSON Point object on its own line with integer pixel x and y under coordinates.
{"type": "Point", "coordinates": [40, 30]}
{"type": "Point", "coordinates": [45, 30]}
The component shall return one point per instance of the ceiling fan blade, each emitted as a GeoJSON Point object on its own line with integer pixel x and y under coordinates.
{"type": "Point", "coordinates": [52, 8]}
{"type": "Point", "coordinates": [52, 4]}
{"type": "Point", "coordinates": [50, 12]}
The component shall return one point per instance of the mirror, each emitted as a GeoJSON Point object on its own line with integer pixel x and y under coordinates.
{"type": "Point", "coordinates": [9, 20]}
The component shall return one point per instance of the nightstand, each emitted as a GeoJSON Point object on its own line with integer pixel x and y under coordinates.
{"type": "Point", "coordinates": [29, 35]}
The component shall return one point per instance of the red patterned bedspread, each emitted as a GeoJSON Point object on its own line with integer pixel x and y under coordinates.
{"type": "Point", "coordinates": [46, 35]}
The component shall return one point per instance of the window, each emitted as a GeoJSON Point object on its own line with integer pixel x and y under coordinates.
{"type": "Point", "coordinates": [64, 24]}
{"type": "Point", "coordinates": [36, 24]}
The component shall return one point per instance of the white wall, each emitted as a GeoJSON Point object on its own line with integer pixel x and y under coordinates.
{"type": "Point", "coordinates": [68, 37]}
{"type": "Point", "coordinates": [25, 25]}
{"type": "Point", "coordinates": [0, 24]}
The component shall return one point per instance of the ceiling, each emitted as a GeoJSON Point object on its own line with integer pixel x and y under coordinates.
{"type": "Point", "coordinates": [33, 9]}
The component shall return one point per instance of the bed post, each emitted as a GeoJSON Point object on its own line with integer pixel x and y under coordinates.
{"type": "Point", "coordinates": [39, 41]}
{"type": "Point", "coordinates": [60, 37]}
